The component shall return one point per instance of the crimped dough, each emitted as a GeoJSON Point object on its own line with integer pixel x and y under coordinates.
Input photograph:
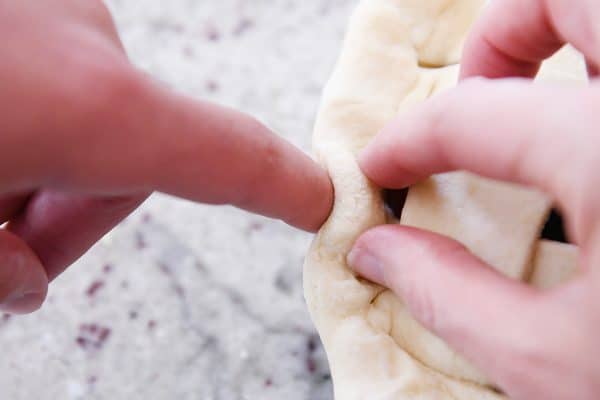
{"type": "Point", "coordinates": [376, 350]}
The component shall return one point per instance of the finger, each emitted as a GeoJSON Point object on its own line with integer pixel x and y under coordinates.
{"type": "Point", "coordinates": [11, 205]}
{"type": "Point", "coordinates": [592, 69]}
{"type": "Point", "coordinates": [492, 320]}
{"type": "Point", "coordinates": [99, 14]}
{"type": "Point", "coordinates": [23, 281]}
{"type": "Point", "coordinates": [60, 228]}
{"type": "Point", "coordinates": [513, 37]}
{"type": "Point", "coordinates": [162, 141]}
{"type": "Point", "coordinates": [125, 133]}
{"type": "Point", "coordinates": [216, 155]}
{"type": "Point", "coordinates": [225, 157]}
{"type": "Point", "coordinates": [430, 273]}
{"type": "Point", "coordinates": [493, 129]}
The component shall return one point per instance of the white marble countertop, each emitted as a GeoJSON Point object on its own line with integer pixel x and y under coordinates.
{"type": "Point", "coordinates": [185, 301]}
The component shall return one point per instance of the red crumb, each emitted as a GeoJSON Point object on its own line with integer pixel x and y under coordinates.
{"type": "Point", "coordinates": [94, 287]}
{"type": "Point", "coordinates": [212, 86]}
{"type": "Point", "coordinates": [311, 365]}
{"type": "Point", "coordinates": [92, 336]}
{"type": "Point", "coordinates": [140, 241]}
{"type": "Point", "coordinates": [243, 25]}
{"type": "Point", "coordinates": [212, 34]}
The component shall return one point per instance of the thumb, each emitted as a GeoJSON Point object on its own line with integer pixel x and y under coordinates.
{"type": "Point", "coordinates": [486, 317]}
{"type": "Point", "coordinates": [23, 281]}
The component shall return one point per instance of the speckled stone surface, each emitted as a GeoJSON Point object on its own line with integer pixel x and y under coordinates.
{"type": "Point", "coordinates": [185, 301]}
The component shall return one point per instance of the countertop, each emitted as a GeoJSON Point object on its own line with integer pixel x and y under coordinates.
{"type": "Point", "coordinates": [185, 301]}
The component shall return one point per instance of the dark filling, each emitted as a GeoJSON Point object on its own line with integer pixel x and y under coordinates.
{"type": "Point", "coordinates": [554, 229]}
{"type": "Point", "coordinates": [394, 201]}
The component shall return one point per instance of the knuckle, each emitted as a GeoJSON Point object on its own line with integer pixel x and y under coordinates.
{"type": "Point", "coordinates": [260, 167]}
{"type": "Point", "coordinates": [99, 106]}
{"type": "Point", "coordinates": [437, 115]}
{"type": "Point", "coordinates": [104, 92]}
{"type": "Point", "coordinates": [437, 124]}
{"type": "Point", "coordinates": [268, 149]}
{"type": "Point", "coordinates": [272, 157]}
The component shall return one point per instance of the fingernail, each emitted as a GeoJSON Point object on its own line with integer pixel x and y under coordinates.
{"type": "Point", "coordinates": [22, 303]}
{"type": "Point", "coordinates": [366, 265]}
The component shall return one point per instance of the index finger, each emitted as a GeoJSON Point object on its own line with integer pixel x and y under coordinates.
{"type": "Point", "coordinates": [494, 129]}
{"type": "Point", "coordinates": [143, 137]}
{"type": "Point", "coordinates": [513, 37]}
{"type": "Point", "coordinates": [217, 155]}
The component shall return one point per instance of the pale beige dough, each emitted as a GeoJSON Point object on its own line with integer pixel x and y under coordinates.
{"type": "Point", "coordinates": [554, 263]}
{"type": "Point", "coordinates": [376, 350]}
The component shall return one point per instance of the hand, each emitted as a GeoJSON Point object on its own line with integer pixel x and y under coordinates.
{"type": "Point", "coordinates": [86, 137]}
{"type": "Point", "coordinates": [539, 345]}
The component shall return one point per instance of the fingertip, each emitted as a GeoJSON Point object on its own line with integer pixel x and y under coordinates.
{"type": "Point", "coordinates": [325, 201]}
{"type": "Point", "coordinates": [23, 304]}
{"type": "Point", "coordinates": [366, 157]}
{"type": "Point", "coordinates": [316, 204]}
{"type": "Point", "coordinates": [23, 280]}
{"type": "Point", "coordinates": [391, 159]}
{"type": "Point", "coordinates": [510, 39]}
{"type": "Point", "coordinates": [369, 256]}
{"type": "Point", "coordinates": [366, 264]}
{"type": "Point", "coordinates": [374, 161]}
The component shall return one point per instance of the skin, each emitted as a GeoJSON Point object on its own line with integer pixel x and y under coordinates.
{"type": "Point", "coordinates": [537, 345]}
{"type": "Point", "coordinates": [86, 137]}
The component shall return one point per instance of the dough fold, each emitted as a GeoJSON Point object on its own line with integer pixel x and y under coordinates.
{"type": "Point", "coordinates": [376, 350]}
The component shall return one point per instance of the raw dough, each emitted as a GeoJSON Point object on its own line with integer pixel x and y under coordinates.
{"type": "Point", "coordinates": [554, 263]}
{"type": "Point", "coordinates": [398, 53]}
